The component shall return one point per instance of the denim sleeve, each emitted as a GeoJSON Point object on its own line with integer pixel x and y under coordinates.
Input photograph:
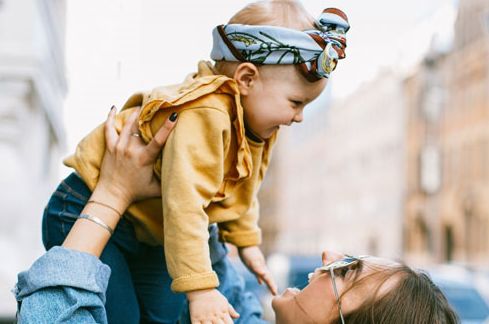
{"type": "Point", "coordinates": [63, 285]}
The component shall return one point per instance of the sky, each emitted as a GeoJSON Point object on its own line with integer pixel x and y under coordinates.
{"type": "Point", "coordinates": [117, 47]}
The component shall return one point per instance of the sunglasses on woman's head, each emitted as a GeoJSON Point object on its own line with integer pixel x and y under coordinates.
{"type": "Point", "coordinates": [339, 267]}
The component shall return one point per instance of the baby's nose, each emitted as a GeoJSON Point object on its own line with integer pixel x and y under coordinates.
{"type": "Point", "coordinates": [298, 117]}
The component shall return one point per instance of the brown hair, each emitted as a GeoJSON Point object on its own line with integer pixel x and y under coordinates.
{"type": "Point", "coordinates": [414, 299]}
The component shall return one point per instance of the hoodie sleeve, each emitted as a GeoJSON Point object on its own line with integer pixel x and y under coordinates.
{"type": "Point", "coordinates": [192, 173]}
{"type": "Point", "coordinates": [244, 231]}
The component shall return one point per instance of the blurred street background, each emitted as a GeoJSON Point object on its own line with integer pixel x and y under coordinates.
{"type": "Point", "coordinates": [391, 160]}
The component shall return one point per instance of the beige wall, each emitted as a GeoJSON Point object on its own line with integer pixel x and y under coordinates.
{"type": "Point", "coordinates": [451, 223]}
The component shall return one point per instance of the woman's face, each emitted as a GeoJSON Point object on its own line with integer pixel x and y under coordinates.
{"type": "Point", "coordinates": [317, 302]}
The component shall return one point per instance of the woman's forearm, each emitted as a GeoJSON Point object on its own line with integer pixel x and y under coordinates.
{"type": "Point", "coordinates": [87, 236]}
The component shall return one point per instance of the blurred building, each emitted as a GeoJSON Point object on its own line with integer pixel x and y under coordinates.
{"type": "Point", "coordinates": [269, 197]}
{"type": "Point", "coordinates": [32, 88]}
{"type": "Point", "coordinates": [286, 182]}
{"type": "Point", "coordinates": [447, 157]}
{"type": "Point", "coordinates": [341, 178]}
{"type": "Point", "coordinates": [296, 161]}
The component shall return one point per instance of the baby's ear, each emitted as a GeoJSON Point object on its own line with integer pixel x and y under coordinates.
{"type": "Point", "coordinates": [246, 76]}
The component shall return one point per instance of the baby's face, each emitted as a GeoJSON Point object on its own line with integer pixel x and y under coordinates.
{"type": "Point", "coordinates": [277, 98]}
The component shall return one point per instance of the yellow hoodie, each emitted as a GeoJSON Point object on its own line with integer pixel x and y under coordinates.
{"type": "Point", "coordinates": [210, 173]}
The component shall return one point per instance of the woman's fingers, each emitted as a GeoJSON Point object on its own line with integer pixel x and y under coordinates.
{"type": "Point", "coordinates": [154, 146]}
{"type": "Point", "coordinates": [126, 130]}
{"type": "Point", "coordinates": [109, 129]}
{"type": "Point", "coordinates": [134, 125]}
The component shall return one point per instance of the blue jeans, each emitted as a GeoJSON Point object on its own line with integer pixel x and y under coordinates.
{"type": "Point", "coordinates": [140, 280]}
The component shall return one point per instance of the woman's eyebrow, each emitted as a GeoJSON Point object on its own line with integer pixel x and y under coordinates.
{"type": "Point", "coordinates": [358, 269]}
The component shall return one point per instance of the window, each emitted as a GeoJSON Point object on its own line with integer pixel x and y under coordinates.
{"type": "Point", "coordinates": [486, 21]}
{"type": "Point", "coordinates": [430, 169]}
{"type": "Point", "coordinates": [449, 243]}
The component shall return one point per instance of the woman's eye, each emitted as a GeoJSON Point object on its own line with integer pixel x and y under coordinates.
{"type": "Point", "coordinates": [296, 102]}
{"type": "Point", "coordinates": [343, 272]}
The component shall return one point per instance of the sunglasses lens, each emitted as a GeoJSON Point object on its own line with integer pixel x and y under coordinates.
{"type": "Point", "coordinates": [342, 263]}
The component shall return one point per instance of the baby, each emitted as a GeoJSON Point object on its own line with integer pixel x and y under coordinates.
{"type": "Point", "coordinates": [272, 59]}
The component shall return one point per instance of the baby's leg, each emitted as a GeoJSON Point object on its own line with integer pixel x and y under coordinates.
{"type": "Point", "coordinates": [122, 305]}
{"type": "Point", "coordinates": [150, 276]}
{"type": "Point", "coordinates": [60, 214]}
{"type": "Point", "coordinates": [232, 285]}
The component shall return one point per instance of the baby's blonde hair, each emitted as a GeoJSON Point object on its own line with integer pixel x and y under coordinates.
{"type": "Point", "coordinates": [283, 13]}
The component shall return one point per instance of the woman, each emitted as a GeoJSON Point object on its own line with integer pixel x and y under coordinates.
{"type": "Point", "coordinates": [344, 290]}
{"type": "Point", "coordinates": [364, 290]}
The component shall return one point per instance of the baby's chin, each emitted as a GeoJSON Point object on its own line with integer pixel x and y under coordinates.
{"type": "Point", "coordinates": [269, 132]}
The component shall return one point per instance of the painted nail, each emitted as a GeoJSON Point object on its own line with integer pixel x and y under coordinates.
{"type": "Point", "coordinates": [173, 116]}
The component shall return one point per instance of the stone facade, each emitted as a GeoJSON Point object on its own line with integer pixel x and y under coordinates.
{"type": "Point", "coordinates": [447, 210]}
{"type": "Point", "coordinates": [32, 88]}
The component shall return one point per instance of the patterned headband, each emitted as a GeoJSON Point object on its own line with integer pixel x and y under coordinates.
{"type": "Point", "coordinates": [316, 51]}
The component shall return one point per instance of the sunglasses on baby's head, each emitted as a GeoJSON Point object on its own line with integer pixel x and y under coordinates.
{"type": "Point", "coordinates": [339, 268]}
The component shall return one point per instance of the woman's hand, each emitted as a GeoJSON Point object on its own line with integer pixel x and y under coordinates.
{"type": "Point", "coordinates": [126, 174]}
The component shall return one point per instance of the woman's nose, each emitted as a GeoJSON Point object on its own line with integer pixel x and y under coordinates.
{"type": "Point", "coordinates": [329, 256]}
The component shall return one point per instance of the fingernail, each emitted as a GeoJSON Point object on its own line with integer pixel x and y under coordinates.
{"type": "Point", "coordinates": [173, 116]}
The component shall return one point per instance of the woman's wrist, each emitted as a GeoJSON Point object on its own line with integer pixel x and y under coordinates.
{"type": "Point", "coordinates": [100, 218]}
{"type": "Point", "coordinates": [116, 200]}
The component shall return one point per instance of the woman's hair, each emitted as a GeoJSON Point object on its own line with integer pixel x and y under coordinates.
{"type": "Point", "coordinates": [413, 299]}
{"type": "Point", "coordinates": [283, 13]}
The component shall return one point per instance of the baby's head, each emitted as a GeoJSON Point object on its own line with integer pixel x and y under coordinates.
{"type": "Point", "coordinates": [279, 69]}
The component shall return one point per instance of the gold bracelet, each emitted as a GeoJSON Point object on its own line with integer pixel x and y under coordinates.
{"type": "Point", "coordinates": [105, 205]}
{"type": "Point", "coordinates": [97, 221]}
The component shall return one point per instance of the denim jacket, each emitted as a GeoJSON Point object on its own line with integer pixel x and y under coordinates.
{"type": "Point", "coordinates": [63, 286]}
{"type": "Point", "coordinates": [68, 286]}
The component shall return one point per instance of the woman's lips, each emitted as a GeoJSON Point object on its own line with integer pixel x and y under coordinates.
{"type": "Point", "coordinates": [291, 291]}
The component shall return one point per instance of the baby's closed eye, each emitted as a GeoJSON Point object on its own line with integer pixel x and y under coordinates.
{"type": "Point", "coordinates": [296, 103]}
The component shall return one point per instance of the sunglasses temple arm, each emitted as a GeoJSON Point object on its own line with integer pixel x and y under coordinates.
{"type": "Point", "coordinates": [331, 271]}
